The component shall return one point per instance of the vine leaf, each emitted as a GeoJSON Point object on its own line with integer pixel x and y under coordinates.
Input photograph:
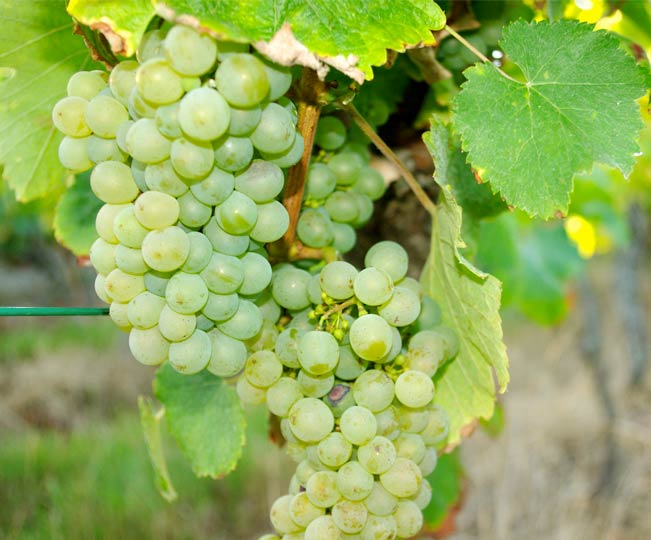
{"type": "Point", "coordinates": [575, 106]}
{"type": "Point", "coordinates": [205, 418]}
{"type": "Point", "coordinates": [74, 217]}
{"type": "Point", "coordinates": [150, 422]}
{"type": "Point", "coordinates": [39, 53]}
{"type": "Point", "coordinates": [470, 302]}
{"type": "Point", "coordinates": [349, 35]}
{"type": "Point", "coordinates": [447, 487]}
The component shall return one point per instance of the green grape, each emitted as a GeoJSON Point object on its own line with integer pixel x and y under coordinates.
{"type": "Point", "coordinates": [176, 326]}
{"type": "Point", "coordinates": [379, 528]}
{"type": "Point", "coordinates": [437, 426]}
{"type": "Point", "coordinates": [414, 389]}
{"type": "Point", "coordinates": [158, 83]}
{"type": "Point", "coordinates": [233, 153]}
{"type": "Point", "coordinates": [428, 464]}
{"type": "Point", "coordinates": [380, 502]}
{"type": "Point", "coordinates": [257, 274]}
{"type": "Point", "coordinates": [69, 116]}
{"type": "Point", "coordinates": [450, 340]}
{"type": "Point", "coordinates": [199, 254]}
{"type": "Point", "coordinates": [302, 511]}
{"type": "Point", "coordinates": [262, 369]}
{"type": "Point", "coordinates": [204, 323]}
{"type": "Point", "coordinates": [128, 229]}
{"type": "Point", "coordinates": [314, 290]}
{"type": "Point", "coordinates": [337, 279]}
{"type": "Point", "coordinates": [371, 183]}
{"type": "Point", "coordinates": [118, 314]}
{"type": "Point", "coordinates": [122, 80]}
{"type": "Point", "coordinates": [228, 355]}
{"type": "Point", "coordinates": [340, 398]}
{"type": "Point", "coordinates": [122, 287]}
{"type": "Point", "coordinates": [280, 78]}
{"type": "Point", "coordinates": [100, 289]}
{"type": "Point", "coordinates": [249, 394]}
{"type": "Point", "coordinates": [221, 307]}
{"type": "Point", "coordinates": [401, 309]}
{"type": "Point", "coordinates": [188, 51]}
{"type": "Point", "coordinates": [204, 114]}
{"type": "Point", "coordinates": [423, 497]}
{"type": "Point", "coordinates": [342, 206]}
{"type": "Point", "coordinates": [318, 352]}
{"type": "Point", "coordinates": [264, 340]}
{"type": "Point", "coordinates": [192, 212]}
{"type": "Point", "coordinates": [148, 346]}
{"type": "Point", "coordinates": [280, 516]}
{"type": "Point", "coordinates": [261, 181]}
{"type": "Point", "coordinates": [321, 181]}
{"type": "Point", "coordinates": [104, 115]}
{"type": "Point", "coordinates": [146, 144]}
{"type": "Point", "coordinates": [387, 423]}
{"type": "Point", "coordinates": [151, 45]}
{"type": "Point", "coordinates": [223, 274]}
{"type": "Point", "coordinates": [242, 80]}
{"type": "Point", "coordinates": [358, 425]}
{"type": "Point", "coordinates": [192, 160]}
{"type": "Point", "coordinates": [403, 478]}
{"type": "Point", "coordinates": [315, 386]}
{"type": "Point", "coordinates": [246, 322]}
{"type": "Point", "coordinates": [143, 311]}
{"type": "Point", "coordinates": [412, 420]}
{"type": "Point", "coordinates": [191, 355]}
{"type": "Point", "coordinates": [282, 394]}
{"type": "Point", "coordinates": [374, 390]}
{"type": "Point", "coordinates": [167, 120]}
{"type": "Point", "coordinates": [344, 237]}
{"type": "Point", "coordinates": [346, 166]}
{"type": "Point", "coordinates": [272, 222]}
{"type": "Point", "coordinates": [244, 121]}
{"type": "Point", "coordinates": [373, 286]}
{"type": "Point", "coordinates": [99, 150]}
{"type": "Point", "coordinates": [390, 257]}
{"type": "Point", "coordinates": [186, 293]}
{"type": "Point", "coordinates": [112, 182]}
{"type": "Point", "coordinates": [413, 285]}
{"type": "Point", "coordinates": [156, 282]}
{"type": "Point", "coordinates": [321, 488]}
{"type": "Point", "coordinates": [215, 188]}
{"type": "Point", "coordinates": [314, 228]}
{"type": "Point", "coordinates": [364, 209]}
{"type": "Point", "coordinates": [229, 48]}
{"type": "Point", "coordinates": [105, 219]}
{"type": "Point", "coordinates": [330, 133]}
{"type": "Point", "coordinates": [396, 346]}
{"type": "Point", "coordinates": [166, 249]}
{"type": "Point", "coordinates": [290, 107]}
{"type": "Point", "coordinates": [162, 177]}
{"type": "Point", "coordinates": [429, 316]}
{"type": "Point", "coordinates": [102, 256]}
{"type": "Point", "coordinates": [275, 133]}
{"type": "Point", "coordinates": [138, 172]}
{"type": "Point", "coordinates": [156, 210]}
{"type": "Point", "coordinates": [306, 468]}
{"type": "Point", "coordinates": [73, 154]}
{"type": "Point", "coordinates": [354, 482]}
{"type": "Point", "coordinates": [409, 519]}
{"type": "Point", "coordinates": [410, 446]}
{"type": "Point", "coordinates": [237, 214]}
{"type": "Point", "coordinates": [322, 528]}
{"type": "Point", "coordinates": [424, 359]}
{"type": "Point", "coordinates": [130, 260]}
{"type": "Point", "coordinates": [86, 84]}
{"type": "Point", "coordinates": [270, 310]}
{"type": "Point", "coordinates": [289, 288]}
{"type": "Point", "coordinates": [349, 516]}
{"type": "Point", "coordinates": [290, 156]}
{"type": "Point", "coordinates": [286, 347]}
{"type": "Point", "coordinates": [334, 450]}
{"type": "Point", "coordinates": [223, 242]}
{"type": "Point", "coordinates": [310, 420]}
{"type": "Point", "coordinates": [370, 337]}
{"type": "Point", "coordinates": [140, 108]}
{"type": "Point", "coordinates": [349, 366]}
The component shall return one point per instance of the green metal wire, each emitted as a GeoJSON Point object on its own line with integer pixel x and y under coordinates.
{"type": "Point", "coordinates": [47, 311]}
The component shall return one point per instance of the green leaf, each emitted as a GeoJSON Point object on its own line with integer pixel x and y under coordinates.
{"type": "Point", "coordinates": [38, 53]}
{"type": "Point", "coordinates": [150, 422]}
{"type": "Point", "coordinates": [470, 302]}
{"type": "Point", "coordinates": [446, 482]}
{"type": "Point", "coordinates": [350, 35]}
{"type": "Point", "coordinates": [74, 218]}
{"type": "Point", "coordinates": [205, 417]}
{"type": "Point", "coordinates": [123, 22]}
{"type": "Point", "coordinates": [575, 106]}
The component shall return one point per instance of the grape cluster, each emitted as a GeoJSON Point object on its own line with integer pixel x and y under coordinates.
{"type": "Point", "coordinates": [350, 379]}
{"type": "Point", "coordinates": [187, 146]}
{"type": "Point", "coordinates": [340, 189]}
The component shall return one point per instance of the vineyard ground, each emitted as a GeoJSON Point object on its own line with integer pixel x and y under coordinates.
{"type": "Point", "coordinates": [73, 462]}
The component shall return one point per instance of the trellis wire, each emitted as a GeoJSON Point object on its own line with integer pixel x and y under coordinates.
{"type": "Point", "coordinates": [50, 311]}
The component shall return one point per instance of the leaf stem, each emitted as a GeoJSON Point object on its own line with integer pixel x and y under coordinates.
{"type": "Point", "coordinates": [477, 52]}
{"type": "Point", "coordinates": [413, 184]}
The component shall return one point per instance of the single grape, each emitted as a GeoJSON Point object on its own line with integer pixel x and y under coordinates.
{"type": "Point", "coordinates": [191, 355]}
{"type": "Point", "coordinates": [199, 254]}
{"type": "Point", "coordinates": [374, 390]}
{"type": "Point", "coordinates": [246, 322]}
{"type": "Point", "coordinates": [358, 425]}
{"type": "Point", "coordinates": [86, 84]}
{"type": "Point", "coordinates": [379, 528]}
{"type": "Point", "coordinates": [289, 157]}
{"type": "Point", "coordinates": [371, 337]}
{"type": "Point", "coordinates": [143, 311]}
{"type": "Point", "coordinates": [390, 257]}
{"type": "Point", "coordinates": [322, 528]}
{"type": "Point", "coordinates": [261, 181]}
{"type": "Point", "coordinates": [192, 212]}
{"type": "Point", "coordinates": [242, 80]}
{"type": "Point", "coordinates": [122, 80]}
{"type": "Point", "coordinates": [321, 181]}
{"type": "Point", "coordinates": [191, 160]}
{"type": "Point", "coordinates": [380, 502]}
{"type": "Point", "coordinates": [106, 218]}
{"type": "Point", "coordinates": [349, 366]}
{"type": "Point", "coordinates": [189, 52]}
{"type": "Point", "coordinates": [321, 488]}
{"type": "Point", "coordinates": [204, 114]}
{"type": "Point", "coordinates": [334, 450]}
{"type": "Point", "coordinates": [73, 154]}
{"type": "Point", "coordinates": [112, 182]}
{"type": "Point", "coordinates": [346, 166]}
{"type": "Point", "coordinates": [130, 260]}
{"type": "Point", "coordinates": [156, 210]}
{"type": "Point", "coordinates": [148, 346]}
{"type": "Point", "coordinates": [310, 420]}
{"type": "Point", "coordinates": [428, 464]}
{"type": "Point", "coordinates": [354, 482]}
{"type": "Point", "coordinates": [409, 519]}
{"type": "Point", "coordinates": [237, 214]}
{"type": "Point", "coordinates": [403, 478]}
{"type": "Point", "coordinates": [280, 78]}
{"type": "Point", "coordinates": [371, 183]}
{"type": "Point", "coordinates": [249, 394]}
{"type": "Point", "coordinates": [318, 352]}
{"type": "Point", "coordinates": [104, 115]}
{"type": "Point", "coordinates": [175, 326]}
{"type": "Point", "coordinates": [166, 249]}
{"type": "Point", "coordinates": [272, 222]}
{"type": "Point", "coordinates": [244, 121]}
{"type": "Point", "coordinates": [122, 287]}
{"type": "Point", "coordinates": [282, 394]}
{"type": "Point", "coordinates": [344, 237]}
{"type": "Point", "coordinates": [145, 143]}
{"type": "Point", "coordinates": [337, 279]}
{"type": "Point", "coordinates": [214, 188]}
{"type": "Point", "coordinates": [286, 347]}
{"type": "Point", "coordinates": [118, 314]}
{"type": "Point", "coordinates": [414, 389]}
{"type": "Point", "coordinates": [330, 133]}
{"type": "Point", "coordinates": [315, 386]}
{"type": "Point", "coordinates": [275, 132]}
{"type": "Point", "coordinates": [257, 274]}
{"type": "Point", "coordinates": [69, 116]}
{"type": "Point", "coordinates": [410, 446]}
{"type": "Point", "coordinates": [401, 309]}
{"type": "Point", "coordinates": [228, 355]}
{"type": "Point", "coordinates": [102, 256]}
{"type": "Point", "coordinates": [233, 153]}
{"type": "Point", "coordinates": [289, 288]}
{"type": "Point", "coordinates": [186, 293]}
{"type": "Point", "coordinates": [280, 516]}
{"type": "Point", "coordinates": [342, 206]}
{"type": "Point", "coordinates": [99, 150]}
{"type": "Point", "coordinates": [167, 120]}
{"type": "Point", "coordinates": [151, 45]}
{"type": "Point", "coordinates": [315, 229]}
{"type": "Point", "coordinates": [228, 244]}
{"type": "Point", "coordinates": [224, 273]}
{"type": "Point", "coordinates": [302, 511]}
{"type": "Point", "coordinates": [162, 177]}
